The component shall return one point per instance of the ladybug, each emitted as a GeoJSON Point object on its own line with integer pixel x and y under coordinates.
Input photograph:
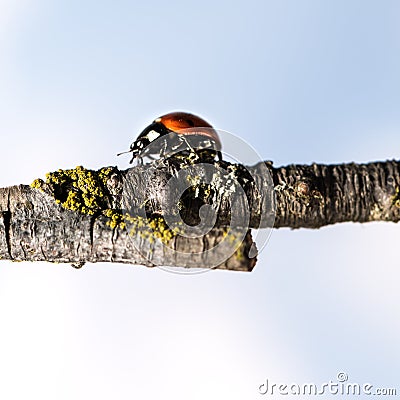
{"type": "Point", "coordinates": [179, 134]}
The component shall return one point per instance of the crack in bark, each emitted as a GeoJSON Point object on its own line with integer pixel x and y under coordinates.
{"type": "Point", "coordinates": [43, 253]}
{"type": "Point", "coordinates": [7, 226]}
{"type": "Point", "coordinates": [91, 228]}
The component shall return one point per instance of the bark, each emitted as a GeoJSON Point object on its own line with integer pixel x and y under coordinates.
{"type": "Point", "coordinates": [312, 196]}
{"type": "Point", "coordinates": [33, 227]}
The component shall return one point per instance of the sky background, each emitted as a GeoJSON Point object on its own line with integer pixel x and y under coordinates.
{"type": "Point", "coordinates": [302, 82]}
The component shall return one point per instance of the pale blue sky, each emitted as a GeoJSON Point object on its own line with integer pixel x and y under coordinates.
{"type": "Point", "coordinates": [301, 81]}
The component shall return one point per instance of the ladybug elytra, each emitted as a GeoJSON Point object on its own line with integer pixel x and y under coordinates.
{"type": "Point", "coordinates": [178, 132]}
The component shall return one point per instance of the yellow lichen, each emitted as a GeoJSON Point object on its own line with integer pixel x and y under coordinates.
{"type": "Point", "coordinates": [116, 219]}
{"type": "Point", "coordinates": [37, 184]}
{"type": "Point", "coordinates": [85, 191]}
{"type": "Point", "coordinates": [239, 254]}
{"type": "Point", "coordinates": [396, 198]}
{"type": "Point", "coordinates": [78, 189]}
{"type": "Point", "coordinates": [151, 228]}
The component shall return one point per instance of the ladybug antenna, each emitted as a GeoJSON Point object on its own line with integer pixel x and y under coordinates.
{"type": "Point", "coordinates": [124, 152]}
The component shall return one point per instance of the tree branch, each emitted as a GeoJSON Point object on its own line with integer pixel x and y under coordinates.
{"type": "Point", "coordinates": [138, 216]}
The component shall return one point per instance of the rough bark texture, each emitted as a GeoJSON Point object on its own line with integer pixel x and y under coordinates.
{"type": "Point", "coordinates": [311, 196]}
{"type": "Point", "coordinates": [34, 227]}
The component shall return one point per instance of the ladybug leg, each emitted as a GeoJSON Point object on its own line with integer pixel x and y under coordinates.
{"type": "Point", "coordinates": [193, 155]}
{"type": "Point", "coordinates": [219, 155]}
{"type": "Point", "coordinates": [161, 160]}
{"type": "Point", "coordinates": [163, 149]}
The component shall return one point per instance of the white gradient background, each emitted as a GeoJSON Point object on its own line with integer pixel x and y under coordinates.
{"type": "Point", "coordinates": [302, 81]}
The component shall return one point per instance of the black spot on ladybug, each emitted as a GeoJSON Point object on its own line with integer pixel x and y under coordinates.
{"type": "Point", "coordinates": [190, 123]}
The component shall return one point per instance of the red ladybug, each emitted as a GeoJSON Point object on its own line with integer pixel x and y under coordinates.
{"type": "Point", "coordinates": [195, 136]}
